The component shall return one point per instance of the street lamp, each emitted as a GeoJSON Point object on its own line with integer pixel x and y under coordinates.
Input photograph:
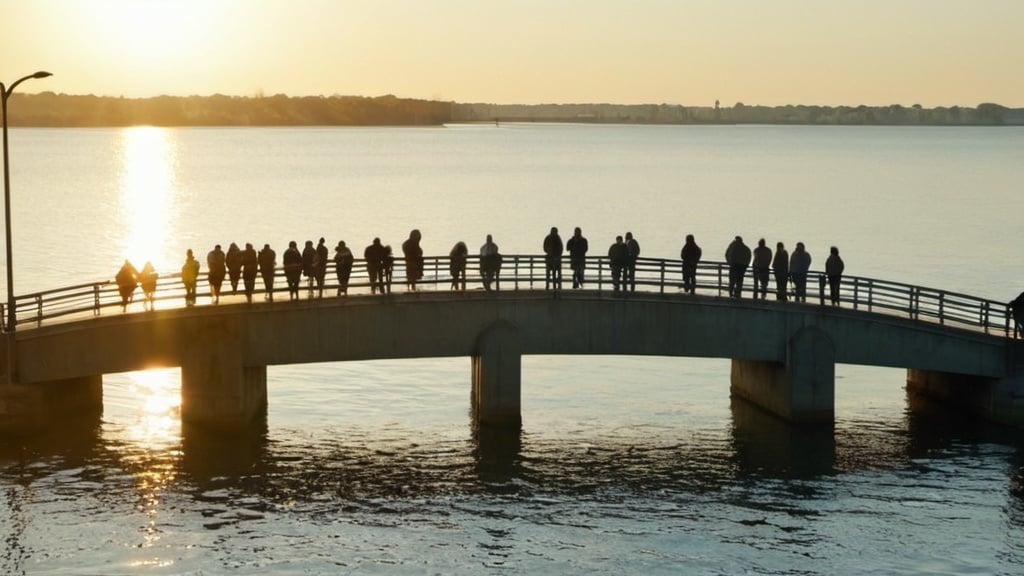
{"type": "Point", "coordinates": [12, 318]}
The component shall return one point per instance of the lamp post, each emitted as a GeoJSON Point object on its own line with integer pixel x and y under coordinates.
{"type": "Point", "coordinates": [12, 318]}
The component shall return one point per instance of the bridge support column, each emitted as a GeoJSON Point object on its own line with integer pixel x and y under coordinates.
{"type": "Point", "coordinates": [217, 389]}
{"type": "Point", "coordinates": [996, 400]}
{"type": "Point", "coordinates": [802, 390]}
{"type": "Point", "coordinates": [31, 407]}
{"type": "Point", "coordinates": [497, 374]}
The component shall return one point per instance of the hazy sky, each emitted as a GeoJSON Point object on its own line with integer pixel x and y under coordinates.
{"type": "Point", "coordinates": [691, 52]}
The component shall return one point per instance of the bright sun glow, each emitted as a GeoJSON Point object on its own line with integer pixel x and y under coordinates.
{"type": "Point", "coordinates": [153, 33]}
{"type": "Point", "coordinates": [148, 189]}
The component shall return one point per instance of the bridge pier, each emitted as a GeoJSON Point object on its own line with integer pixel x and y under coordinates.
{"type": "Point", "coordinates": [497, 376]}
{"type": "Point", "coordinates": [217, 389]}
{"type": "Point", "coordinates": [802, 390]}
{"type": "Point", "coordinates": [999, 400]}
{"type": "Point", "coordinates": [31, 407]}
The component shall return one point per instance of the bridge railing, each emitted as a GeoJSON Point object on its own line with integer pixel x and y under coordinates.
{"type": "Point", "coordinates": [527, 272]}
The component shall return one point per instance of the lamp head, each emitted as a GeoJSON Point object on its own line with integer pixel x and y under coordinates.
{"type": "Point", "coordinates": [41, 74]}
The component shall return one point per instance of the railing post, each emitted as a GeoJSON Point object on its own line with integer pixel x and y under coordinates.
{"type": "Point", "coordinates": [719, 280]}
{"type": "Point", "coordinates": [942, 307]}
{"type": "Point", "coordinates": [821, 289]}
{"type": "Point", "coordinates": [985, 315]}
{"type": "Point", "coordinates": [39, 310]}
{"type": "Point", "coordinates": [662, 291]}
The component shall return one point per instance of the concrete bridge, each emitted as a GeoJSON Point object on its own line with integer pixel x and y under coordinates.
{"type": "Point", "coordinates": [783, 353]}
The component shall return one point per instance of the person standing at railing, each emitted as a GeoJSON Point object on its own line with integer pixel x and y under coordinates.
{"type": "Point", "coordinates": [834, 267]}
{"type": "Point", "coordinates": [577, 247]}
{"type": "Point", "coordinates": [216, 264]}
{"type": "Point", "coordinates": [387, 268]}
{"type": "Point", "coordinates": [233, 259]}
{"type": "Point", "coordinates": [250, 267]}
{"type": "Point", "coordinates": [799, 266]}
{"type": "Point", "coordinates": [190, 277]}
{"type": "Point", "coordinates": [780, 267]}
{"type": "Point", "coordinates": [762, 269]}
{"type": "Point", "coordinates": [343, 266]}
{"type": "Point", "coordinates": [292, 269]}
{"type": "Point", "coordinates": [147, 279]}
{"type": "Point", "coordinates": [267, 259]}
{"type": "Point", "coordinates": [737, 256]}
{"type": "Point", "coordinates": [374, 255]}
{"type": "Point", "coordinates": [413, 254]}
{"type": "Point", "coordinates": [632, 255]}
{"type": "Point", "coordinates": [553, 249]}
{"type": "Point", "coordinates": [127, 279]}
{"type": "Point", "coordinates": [618, 259]}
{"type": "Point", "coordinates": [308, 254]}
{"type": "Point", "coordinates": [490, 263]}
{"type": "Point", "coordinates": [1017, 309]}
{"type": "Point", "coordinates": [320, 258]}
{"type": "Point", "coordinates": [457, 265]}
{"type": "Point", "coordinates": [690, 255]}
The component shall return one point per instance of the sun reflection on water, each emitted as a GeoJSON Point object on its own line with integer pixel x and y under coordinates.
{"type": "Point", "coordinates": [153, 451]}
{"type": "Point", "coordinates": [147, 196]}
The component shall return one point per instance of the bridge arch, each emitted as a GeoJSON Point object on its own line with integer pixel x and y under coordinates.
{"type": "Point", "coordinates": [783, 354]}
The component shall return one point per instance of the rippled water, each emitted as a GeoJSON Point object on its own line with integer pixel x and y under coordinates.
{"type": "Point", "coordinates": [624, 464]}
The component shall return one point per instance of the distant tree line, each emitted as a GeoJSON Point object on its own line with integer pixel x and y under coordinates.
{"type": "Point", "coordinates": [49, 109]}
{"type": "Point", "coordinates": [984, 115]}
{"type": "Point", "coordinates": [65, 110]}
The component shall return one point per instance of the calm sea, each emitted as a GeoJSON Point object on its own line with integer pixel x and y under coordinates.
{"type": "Point", "coordinates": [625, 465]}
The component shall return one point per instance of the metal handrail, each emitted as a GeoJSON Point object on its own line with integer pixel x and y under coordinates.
{"type": "Point", "coordinates": [527, 272]}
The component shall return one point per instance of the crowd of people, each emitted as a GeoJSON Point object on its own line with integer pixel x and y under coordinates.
{"type": "Point", "coordinates": [312, 262]}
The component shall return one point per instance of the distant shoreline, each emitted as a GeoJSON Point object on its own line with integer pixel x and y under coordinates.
{"type": "Point", "coordinates": [48, 109]}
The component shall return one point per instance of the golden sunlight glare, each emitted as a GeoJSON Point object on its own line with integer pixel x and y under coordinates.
{"type": "Point", "coordinates": [147, 194]}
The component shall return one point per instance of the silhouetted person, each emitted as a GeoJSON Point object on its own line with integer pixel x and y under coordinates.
{"type": "Point", "coordinates": [618, 260]}
{"type": "Point", "coordinates": [737, 256]}
{"type": "Point", "coordinates": [413, 254]}
{"type": "Point", "coordinates": [457, 265]}
{"type": "Point", "coordinates": [268, 262]}
{"type": "Point", "coordinates": [320, 259]}
{"type": "Point", "coordinates": [292, 261]}
{"type": "Point", "coordinates": [553, 249]}
{"type": "Point", "coordinates": [633, 254]}
{"type": "Point", "coordinates": [308, 254]}
{"type": "Point", "coordinates": [233, 259]}
{"type": "Point", "coordinates": [780, 267]}
{"type": "Point", "coordinates": [216, 268]}
{"type": "Point", "coordinates": [834, 271]}
{"type": "Point", "coordinates": [250, 267]}
{"type": "Point", "coordinates": [490, 263]}
{"type": "Point", "coordinates": [147, 278]}
{"type": "Point", "coordinates": [799, 266]}
{"type": "Point", "coordinates": [388, 267]}
{"type": "Point", "coordinates": [190, 277]}
{"type": "Point", "coordinates": [762, 269]}
{"type": "Point", "coordinates": [343, 260]}
{"type": "Point", "coordinates": [374, 255]}
{"type": "Point", "coordinates": [1017, 310]}
{"type": "Point", "coordinates": [127, 279]}
{"type": "Point", "coordinates": [690, 255]}
{"type": "Point", "coordinates": [577, 247]}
